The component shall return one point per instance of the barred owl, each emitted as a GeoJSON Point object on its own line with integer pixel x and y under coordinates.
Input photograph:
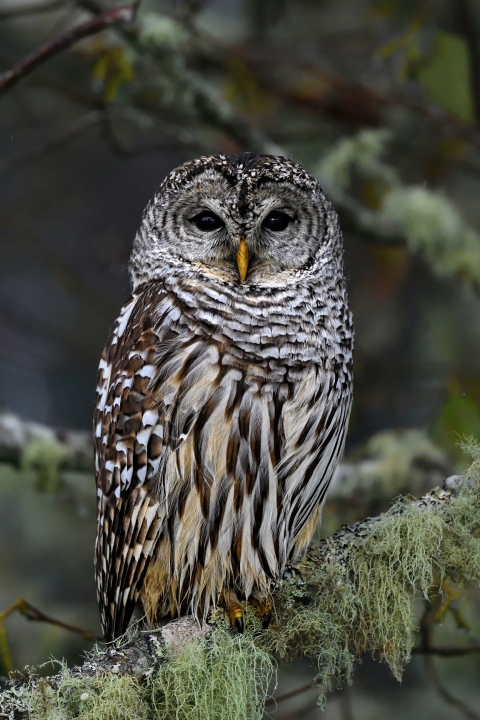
{"type": "Point", "coordinates": [224, 391]}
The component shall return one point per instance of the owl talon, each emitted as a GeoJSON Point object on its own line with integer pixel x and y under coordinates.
{"type": "Point", "coordinates": [263, 606]}
{"type": "Point", "coordinates": [234, 610]}
{"type": "Point", "coordinates": [267, 619]}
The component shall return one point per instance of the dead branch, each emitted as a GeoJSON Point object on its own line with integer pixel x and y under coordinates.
{"type": "Point", "coordinates": [290, 694]}
{"type": "Point", "coordinates": [123, 14]}
{"type": "Point", "coordinates": [220, 114]}
{"type": "Point", "coordinates": [429, 652]}
{"type": "Point", "coordinates": [447, 650]}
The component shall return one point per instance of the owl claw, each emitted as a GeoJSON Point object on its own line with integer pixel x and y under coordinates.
{"type": "Point", "coordinates": [267, 619]}
{"type": "Point", "coordinates": [263, 606]}
{"type": "Point", "coordinates": [232, 605]}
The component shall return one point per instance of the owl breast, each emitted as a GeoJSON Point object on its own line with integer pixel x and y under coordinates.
{"type": "Point", "coordinates": [255, 394]}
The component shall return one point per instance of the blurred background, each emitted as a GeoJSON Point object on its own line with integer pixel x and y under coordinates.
{"type": "Point", "coordinates": [380, 99]}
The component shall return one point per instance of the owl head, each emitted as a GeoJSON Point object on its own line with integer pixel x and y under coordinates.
{"type": "Point", "coordinates": [242, 219]}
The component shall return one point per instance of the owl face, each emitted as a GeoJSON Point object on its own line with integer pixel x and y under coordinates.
{"type": "Point", "coordinates": [244, 219]}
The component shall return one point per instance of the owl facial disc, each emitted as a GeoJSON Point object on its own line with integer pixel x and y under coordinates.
{"type": "Point", "coordinates": [261, 223]}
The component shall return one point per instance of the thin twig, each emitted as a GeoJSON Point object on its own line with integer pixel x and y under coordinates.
{"type": "Point", "coordinates": [447, 651]}
{"type": "Point", "coordinates": [210, 105]}
{"type": "Point", "coordinates": [425, 646]}
{"type": "Point", "coordinates": [288, 695]}
{"type": "Point", "coordinates": [32, 613]}
{"type": "Point", "coordinates": [445, 694]}
{"type": "Point", "coordinates": [123, 14]}
{"type": "Point", "coordinates": [32, 9]}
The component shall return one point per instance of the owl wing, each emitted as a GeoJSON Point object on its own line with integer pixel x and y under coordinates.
{"type": "Point", "coordinates": [307, 474]}
{"type": "Point", "coordinates": [311, 428]}
{"type": "Point", "coordinates": [128, 445]}
{"type": "Point", "coordinates": [157, 389]}
{"type": "Point", "coordinates": [173, 426]}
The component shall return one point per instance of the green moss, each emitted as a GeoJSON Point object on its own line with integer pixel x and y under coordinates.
{"type": "Point", "coordinates": [361, 602]}
{"type": "Point", "coordinates": [401, 556]}
{"type": "Point", "coordinates": [433, 226]}
{"type": "Point", "coordinates": [365, 602]}
{"type": "Point", "coordinates": [225, 677]}
{"type": "Point", "coordinates": [159, 30]}
{"type": "Point", "coordinates": [462, 526]}
{"type": "Point", "coordinates": [103, 697]}
{"type": "Point", "coordinates": [106, 697]}
{"type": "Point", "coordinates": [429, 222]}
{"type": "Point", "coordinates": [362, 153]}
{"type": "Point", "coordinates": [45, 457]}
{"type": "Point", "coordinates": [314, 631]}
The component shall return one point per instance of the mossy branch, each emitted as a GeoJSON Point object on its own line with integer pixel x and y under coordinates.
{"type": "Point", "coordinates": [392, 462]}
{"type": "Point", "coordinates": [33, 445]}
{"type": "Point", "coordinates": [351, 594]}
{"type": "Point", "coordinates": [425, 220]}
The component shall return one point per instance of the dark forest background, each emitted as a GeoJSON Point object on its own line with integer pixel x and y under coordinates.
{"type": "Point", "coordinates": [380, 99]}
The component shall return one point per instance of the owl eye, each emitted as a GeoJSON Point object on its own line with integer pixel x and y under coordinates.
{"type": "Point", "coordinates": [207, 220]}
{"type": "Point", "coordinates": [277, 221]}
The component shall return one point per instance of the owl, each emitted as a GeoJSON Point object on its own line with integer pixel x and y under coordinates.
{"type": "Point", "coordinates": [224, 392]}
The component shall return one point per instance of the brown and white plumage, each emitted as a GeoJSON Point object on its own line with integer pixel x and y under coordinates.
{"type": "Point", "coordinates": [222, 405]}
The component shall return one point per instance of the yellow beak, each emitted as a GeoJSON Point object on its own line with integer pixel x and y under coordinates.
{"type": "Point", "coordinates": [242, 260]}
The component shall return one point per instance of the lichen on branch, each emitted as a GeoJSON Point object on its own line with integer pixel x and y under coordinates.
{"type": "Point", "coordinates": [353, 593]}
{"type": "Point", "coordinates": [426, 220]}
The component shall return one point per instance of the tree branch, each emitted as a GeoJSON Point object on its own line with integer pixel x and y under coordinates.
{"type": "Point", "coordinates": [135, 658]}
{"type": "Point", "coordinates": [73, 448]}
{"type": "Point", "coordinates": [335, 550]}
{"type": "Point", "coordinates": [447, 256]}
{"type": "Point", "coordinates": [145, 653]}
{"type": "Point", "coordinates": [447, 650]}
{"type": "Point", "coordinates": [446, 695]}
{"type": "Point", "coordinates": [123, 14]}
{"type": "Point", "coordinates": [362, 483]}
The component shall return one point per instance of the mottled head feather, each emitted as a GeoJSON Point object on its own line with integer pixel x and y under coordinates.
{"type": "Point", "coordinates": [241, 189]}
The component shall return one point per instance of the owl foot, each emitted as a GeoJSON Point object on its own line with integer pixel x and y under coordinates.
{"type": "Point", "coordinates": [232, 605]}
{"type": "Point", "coordinates": [264, 607]}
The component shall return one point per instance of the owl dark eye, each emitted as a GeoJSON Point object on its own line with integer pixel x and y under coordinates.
{"type": "Point", "coordinates": [277, 221]}
{"type": "Point", "coordinates": [207, 220]}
